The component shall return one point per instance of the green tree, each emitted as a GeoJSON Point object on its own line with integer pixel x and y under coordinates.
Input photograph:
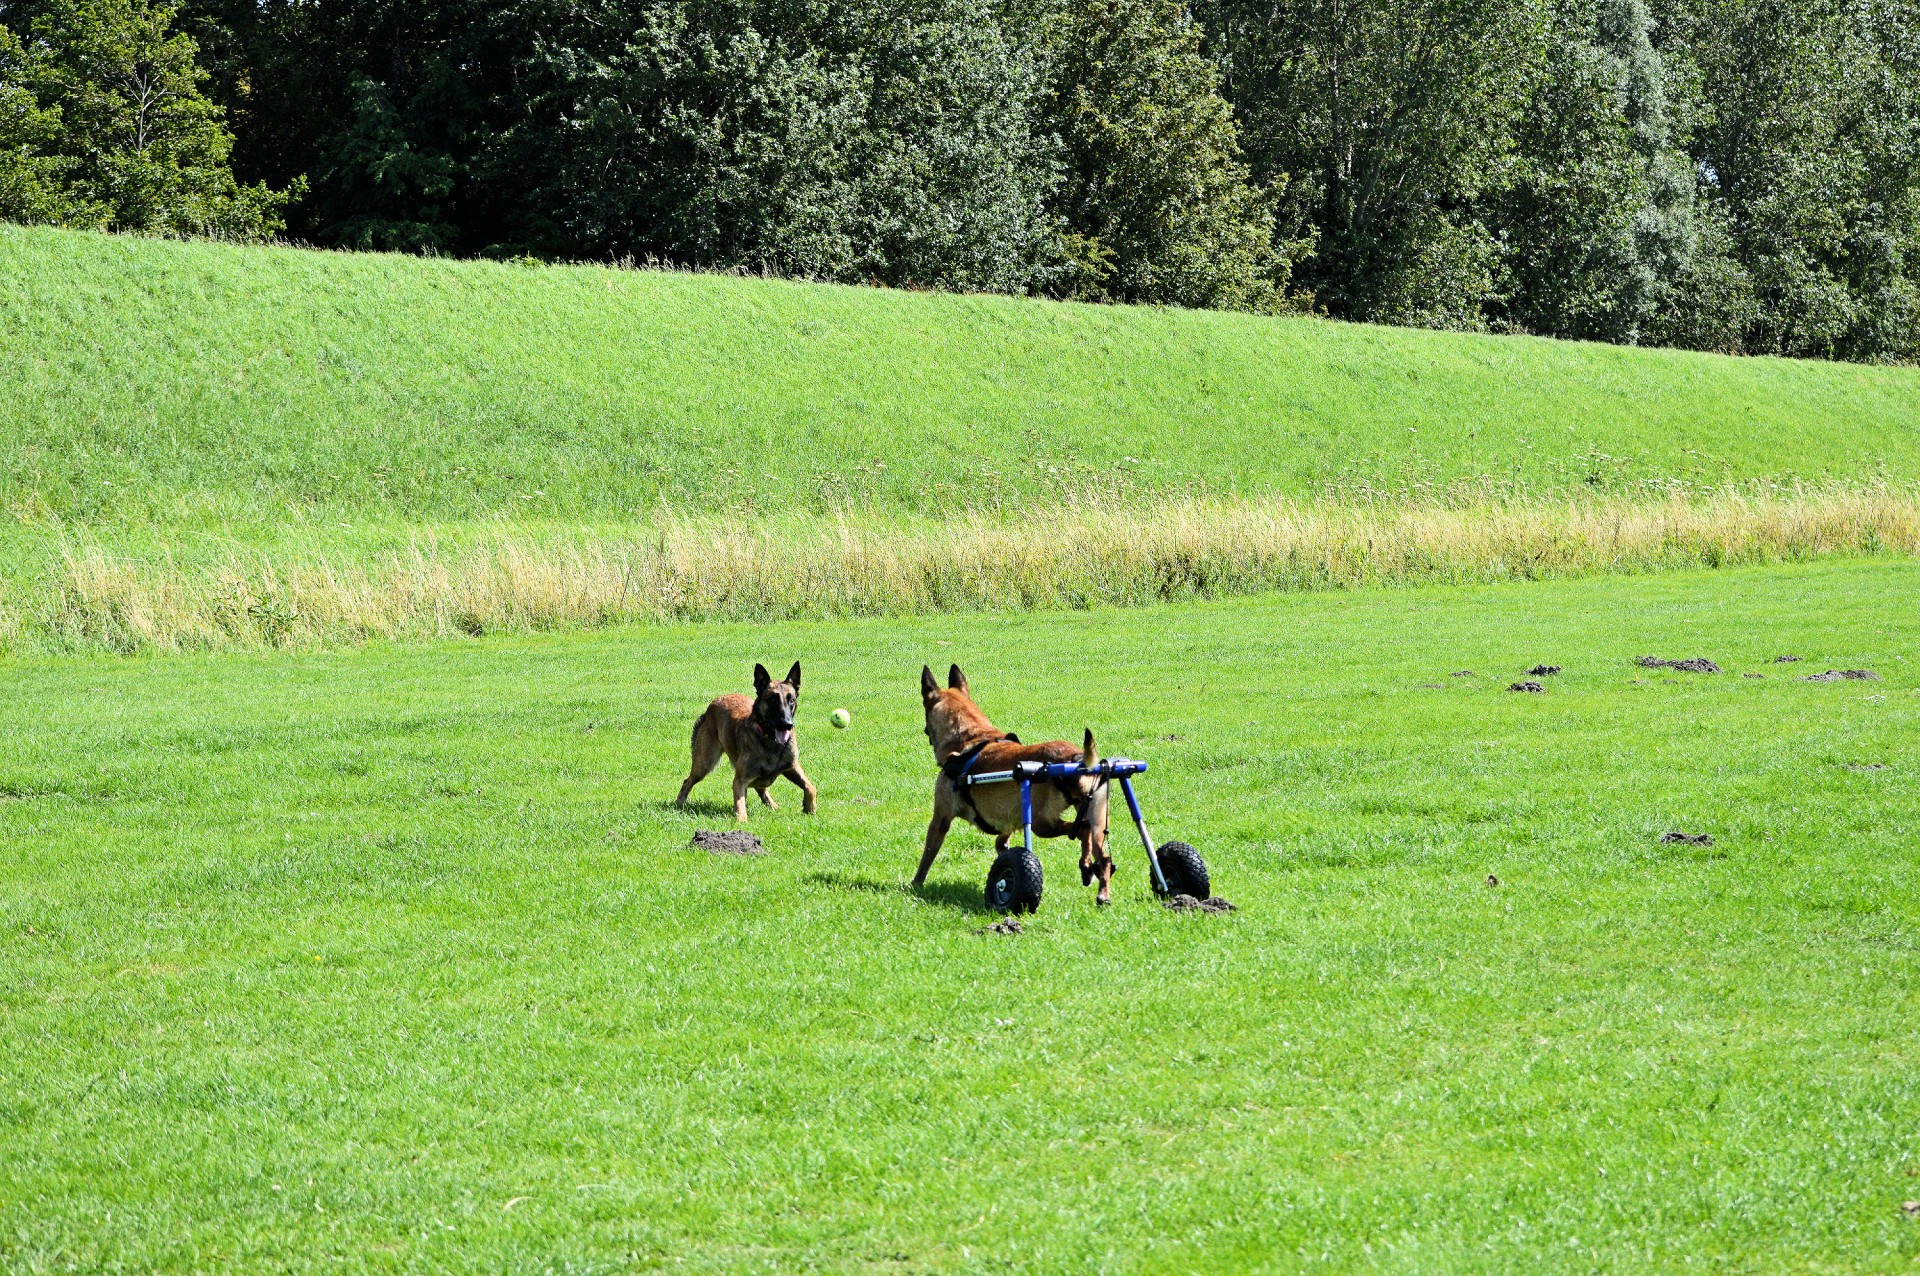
{"type": "Point", "coordinates": [387, 191]}
{"type": "Point", "coordinates": [1396, 119]}
{"type": "Point", "coordinates": [140, 139]}
{"type": "Point", "coordinates": [32, 176]}
{"type": "Point", "coordinates": [1601, 227]}
{"type": "Point", "coordinates": [1809, 145]}
{"type": "Point", "coordinates": [1661, 237]}
{"type": "Point", "coordinates": [1156, 205]}
{"type": "Point", "coordinates": [837, 139]}
{"type": "Point", "coordinates": [404, 114]}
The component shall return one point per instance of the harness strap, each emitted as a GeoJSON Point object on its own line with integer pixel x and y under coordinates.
{"type": "Point", "coordinates": [956, 767]}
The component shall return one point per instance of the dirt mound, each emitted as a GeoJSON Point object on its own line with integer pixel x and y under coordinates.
{"type": "Point", "coordinates": [1188, 904]}
{"type": "Point", "coordinates": [1543, 671]}
{"type": "Point", "coordinates": [1786, 660]}
{"type": "Point", "coordinates": [1688, 839]}
{"type": "Point", "coordinates": [1526, 686]}
{"type": "Point", "coordinates": [1010, 926]}
{"type": "Point", "coordinates": [731, 842]}
{"type": "Point", "coordinates": [1699, 664]}
{"type": "Point", "coordinates": [1461, 673]}
{"type": "Point", "coordinates": [1838, 675]}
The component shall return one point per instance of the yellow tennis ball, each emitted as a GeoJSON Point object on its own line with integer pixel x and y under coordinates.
{"type": "Point", "coordinates": [841, 718]}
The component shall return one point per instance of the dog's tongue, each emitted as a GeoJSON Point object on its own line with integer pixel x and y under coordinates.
{"type": "Point", "coordinates": [782, 734]}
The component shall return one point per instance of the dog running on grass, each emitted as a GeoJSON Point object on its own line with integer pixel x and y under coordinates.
{"type": "Point", "coordinates": [756, 734]}
{"type": "Point", "coordinates": [964, 741]}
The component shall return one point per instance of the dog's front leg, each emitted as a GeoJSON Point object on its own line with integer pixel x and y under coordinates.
{"type": "Point", "coordinates": [936, 834]}
{"type": "Point", "coordinates": [799, 777]}
{"type": "Point", "coordinates": [739, 798]}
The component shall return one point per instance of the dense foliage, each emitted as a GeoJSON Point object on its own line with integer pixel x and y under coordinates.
{"type": "Point", "coordinates": [103, 123]}
{"type": "Point", "coordinates": [1155, 204]}
{"type": "Point", "coordinates": [1739, 175]}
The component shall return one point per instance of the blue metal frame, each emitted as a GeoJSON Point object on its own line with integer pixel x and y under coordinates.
{"type": "Point", "coordinates": [1121, 769]}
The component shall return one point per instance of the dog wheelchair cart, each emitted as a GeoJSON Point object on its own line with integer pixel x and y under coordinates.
{"type": "Point", "coordinates": [1014, 885]}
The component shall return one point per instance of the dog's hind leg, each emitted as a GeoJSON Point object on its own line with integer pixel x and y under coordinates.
{"type": "Point", "coordinates": [799, 777]}
{"type": "Point", "coordinates": [1095, 862]}
{"type": "Point", "coordinates": [739, 798]}
{"type": "Point", "coordinates": [706, 755]}
{"type": "Point", "coordinates": [766, 801]}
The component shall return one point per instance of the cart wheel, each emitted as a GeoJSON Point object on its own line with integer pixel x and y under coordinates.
{"type": "Point", "coordinates": [1014, 884]}
{"type": "Point", "coordinates": [1185, 871]}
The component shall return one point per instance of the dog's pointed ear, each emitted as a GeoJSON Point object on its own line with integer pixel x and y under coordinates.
{"type": "Point", "coordinates": [793, 676]}
{"type": "Point", "coordinates": [761, 680]}
{"type": "Point", "coordinates": [929, 687]}
{"type": "Point", "coordinates": [958, 681]}
{"type": "Point", "coordinates": [1088, 755]}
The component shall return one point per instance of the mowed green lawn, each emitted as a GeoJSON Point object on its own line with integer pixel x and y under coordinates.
{"type": "Point", "coordinates": [391, 958]}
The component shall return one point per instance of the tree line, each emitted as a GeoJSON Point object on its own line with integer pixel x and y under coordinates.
{"type": "Point", "coordinates": [1734, 175]}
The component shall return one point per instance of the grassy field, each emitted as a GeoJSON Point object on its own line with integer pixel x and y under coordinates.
{"type": "Point", "coordinates": [390, 959]}
{"type": "Point", "coordinates": [242, 391]}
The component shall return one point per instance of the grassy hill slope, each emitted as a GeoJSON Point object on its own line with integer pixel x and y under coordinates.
{"type": "Point", "coordinates": [210, 445]}
{"type": "Point", "coordinates": [194, 385]}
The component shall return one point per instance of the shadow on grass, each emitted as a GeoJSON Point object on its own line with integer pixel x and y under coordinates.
{"type": "Point", "coordinates": [698, 806]}
{"type": "Point", "coordinates": [954, 895]}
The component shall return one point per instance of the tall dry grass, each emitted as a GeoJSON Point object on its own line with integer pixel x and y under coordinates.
{"type": "Point", "coordinates": [707, 569]}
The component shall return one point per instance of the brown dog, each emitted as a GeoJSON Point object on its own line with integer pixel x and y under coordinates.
{"type": "Point", "coordinates": [756, 734]}
{"type": "Point", "coordinates": [965, 741]}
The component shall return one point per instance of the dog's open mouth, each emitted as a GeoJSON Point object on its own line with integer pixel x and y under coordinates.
{"type": "Point", "coordinates": [783, 735]}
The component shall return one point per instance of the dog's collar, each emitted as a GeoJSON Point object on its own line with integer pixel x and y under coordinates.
{"type": "Point", "coordinates": [762, 729]}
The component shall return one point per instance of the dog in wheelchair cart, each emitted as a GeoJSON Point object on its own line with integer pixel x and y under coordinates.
{"type": "Point", "coordinates": [999, 785]}
{"type": "Point", "coordinates": [965, 742]}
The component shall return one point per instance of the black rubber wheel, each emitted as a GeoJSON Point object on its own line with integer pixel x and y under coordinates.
{"type": "Point", "coordinates": [1185, 871]}
{"type": "Point", "coordinates": [1014, 884]}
